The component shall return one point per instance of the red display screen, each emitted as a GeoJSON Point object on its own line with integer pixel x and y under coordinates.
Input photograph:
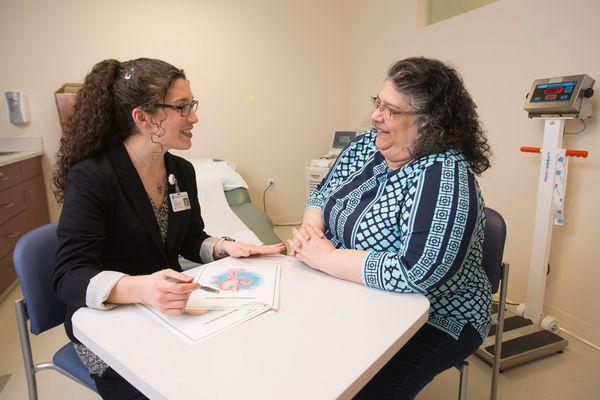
{"type": "Point", "coordinates": [557, 90]}
{"type": "Point", "coordinates": [550, 92]}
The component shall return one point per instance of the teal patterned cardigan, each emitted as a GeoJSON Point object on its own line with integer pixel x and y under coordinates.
{"type": "Point", "coordinates": [421, 225]}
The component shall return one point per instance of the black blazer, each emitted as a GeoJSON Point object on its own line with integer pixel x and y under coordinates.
{"type": "Point", "coordinates": [107, 223]}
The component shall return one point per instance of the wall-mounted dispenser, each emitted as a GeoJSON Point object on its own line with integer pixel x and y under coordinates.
{"type": "Point", "coordinates": [17, 110]}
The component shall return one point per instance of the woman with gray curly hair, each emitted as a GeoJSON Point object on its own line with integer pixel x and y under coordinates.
{"type": "Point", "coordinates": [401, 211]}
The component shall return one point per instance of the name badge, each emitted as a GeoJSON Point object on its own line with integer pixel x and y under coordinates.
{"type": "Point", "coordinates": [180, 201]}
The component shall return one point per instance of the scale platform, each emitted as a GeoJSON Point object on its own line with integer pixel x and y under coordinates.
{"type": "Point", "coordinates": [522, 341]}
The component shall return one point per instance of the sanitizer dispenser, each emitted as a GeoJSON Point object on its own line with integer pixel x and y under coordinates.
{"type": "Point", "coordinates": [15, 104]}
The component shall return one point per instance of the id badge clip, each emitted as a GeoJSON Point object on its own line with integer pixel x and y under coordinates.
{"type": "Point", "coordinates": [180, 201]}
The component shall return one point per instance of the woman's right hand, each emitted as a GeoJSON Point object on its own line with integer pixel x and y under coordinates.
{"type": "Point", "coordinates": [304, 231]}
{"type": "Point", "coordinates": [165, 295]}
{"type": "Point", "coordinates": [312, 221]}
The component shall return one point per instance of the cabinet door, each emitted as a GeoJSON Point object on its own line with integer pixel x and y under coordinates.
{"type": "Point", "coordinates": [23, 206]}
{"type": "Point", "coordinates": [11, 231]}
{"type": "Point", "coordinates": [34, 193]}
{"type": "Point", "coordinates": [31, 168]}
{"type": "Point", "coordinates": [12, 202]}
{"type": "Point", "coordinates": [10, 175]}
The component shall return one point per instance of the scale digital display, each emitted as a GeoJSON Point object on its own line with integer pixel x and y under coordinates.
{"type": "Point", "coordinates": [561, 96]}
{"type": "Point", "coordinates": [560, 91]}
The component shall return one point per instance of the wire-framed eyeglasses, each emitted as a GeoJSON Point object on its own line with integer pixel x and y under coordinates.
{"type": "Point", "coordinates": [385, 109]}
{"type": "Point", "coordinates": [184, 109]}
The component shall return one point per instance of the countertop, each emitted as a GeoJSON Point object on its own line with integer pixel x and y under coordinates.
{"type": "Point", "coordinates": [13, 157]}
{"type": "Point", "coordinates": [14, 149]}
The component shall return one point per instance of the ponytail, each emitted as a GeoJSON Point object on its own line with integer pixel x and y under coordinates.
{"type": "Point", "coordinates": [90, 128]}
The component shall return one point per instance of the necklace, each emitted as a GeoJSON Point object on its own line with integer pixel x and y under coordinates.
{"type": "Point", "coordinates": [160, 184]}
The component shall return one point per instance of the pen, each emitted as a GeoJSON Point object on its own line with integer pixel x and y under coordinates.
{"type": "Point", "coordinates": [176, 280]}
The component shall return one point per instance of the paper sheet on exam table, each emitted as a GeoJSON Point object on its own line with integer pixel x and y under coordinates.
{"type": "Point", "coordinates": [219, 218]}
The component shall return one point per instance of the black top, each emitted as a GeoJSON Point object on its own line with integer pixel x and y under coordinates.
{"type": "Point", "coordinates": [107, 224]}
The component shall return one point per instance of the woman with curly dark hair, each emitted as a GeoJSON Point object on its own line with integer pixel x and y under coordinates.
{"type": "Point", "coordinates": [130, 208]}
{"type": "Point", "coordinates": [401, 211]}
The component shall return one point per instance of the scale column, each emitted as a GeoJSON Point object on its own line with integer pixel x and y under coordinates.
{"type": "Point", "coordinates": [544, 220]}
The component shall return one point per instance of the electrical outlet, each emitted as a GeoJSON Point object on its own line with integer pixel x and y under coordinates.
{"type": "Point", "coordinates": [270, 182]}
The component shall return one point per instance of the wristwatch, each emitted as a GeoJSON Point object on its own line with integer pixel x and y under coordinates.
{"type": "Point", "coordinates": [223, 253]}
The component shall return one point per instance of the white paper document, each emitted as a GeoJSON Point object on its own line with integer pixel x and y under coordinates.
{"type": "Point", "coordinates": [195, 328]}
{"type": "Point", "coordinates": [247, 286]}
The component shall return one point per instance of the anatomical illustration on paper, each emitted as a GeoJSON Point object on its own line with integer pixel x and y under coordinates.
{"type": "Point", "coordinates": [236, 280]}
{"type": "Point", "coordinates": [239, 286]}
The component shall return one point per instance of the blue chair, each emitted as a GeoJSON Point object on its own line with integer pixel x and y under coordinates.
{"type": "Point", "coordinates": [33, 258]}
{"type": "Point", "coordinates": [497, 273]}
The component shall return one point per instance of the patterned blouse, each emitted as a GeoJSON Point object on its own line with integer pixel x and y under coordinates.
{"type": "Point", "coordinates": [421, 225]}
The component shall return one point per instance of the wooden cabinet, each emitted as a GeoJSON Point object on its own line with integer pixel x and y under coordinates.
{"type": "Point", "coordinates": [23, 206]}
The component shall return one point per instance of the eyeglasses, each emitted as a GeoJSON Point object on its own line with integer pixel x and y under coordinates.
{"type": "Point", "coordinates": [184, 109]}
{"type": "Point", "coordinates": [385, 109]}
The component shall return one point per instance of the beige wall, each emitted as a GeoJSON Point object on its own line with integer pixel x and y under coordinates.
{"type": "Point", "coordinates": [291, 56]}
{"type": "Point", "coordinates": [311, 66]}
{"type": "Point", "coordinates": [500, 49]}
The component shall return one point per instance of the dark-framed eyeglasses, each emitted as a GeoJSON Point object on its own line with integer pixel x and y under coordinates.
{"type": "Point", "coordinates": [386, 111]}
{"type": "Point", "coordinates": [184, 109]}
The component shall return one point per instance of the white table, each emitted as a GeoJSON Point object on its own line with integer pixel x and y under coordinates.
{"type": "Point", "coordinates": [327, 340]}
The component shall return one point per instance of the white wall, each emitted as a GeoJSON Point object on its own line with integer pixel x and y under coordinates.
{"type": "Point", "coordinates": [290, 56]}
{"type": "Point", "coordinates": [500, 49]}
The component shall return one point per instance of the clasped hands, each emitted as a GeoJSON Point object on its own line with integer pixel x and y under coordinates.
{"type": "Point", "coordinates": [310, 246]}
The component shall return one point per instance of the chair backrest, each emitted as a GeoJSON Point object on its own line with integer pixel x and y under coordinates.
{"type": "Point", "coordinates": [493, 246]}
{"type": "Point", "coordinates": [33, 258]}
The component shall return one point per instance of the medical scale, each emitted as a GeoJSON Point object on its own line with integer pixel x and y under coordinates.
{"type": "Point", "coordinates": [528, 333]}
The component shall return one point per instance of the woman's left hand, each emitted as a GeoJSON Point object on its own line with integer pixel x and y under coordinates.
{"type": "Point", "coordinates": [239, 249]}
{"type": "Point", "coordinates": [310, 246]}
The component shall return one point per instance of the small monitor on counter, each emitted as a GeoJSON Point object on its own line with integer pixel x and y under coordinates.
{"type": "Point", "coordinates": [340, 140]}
